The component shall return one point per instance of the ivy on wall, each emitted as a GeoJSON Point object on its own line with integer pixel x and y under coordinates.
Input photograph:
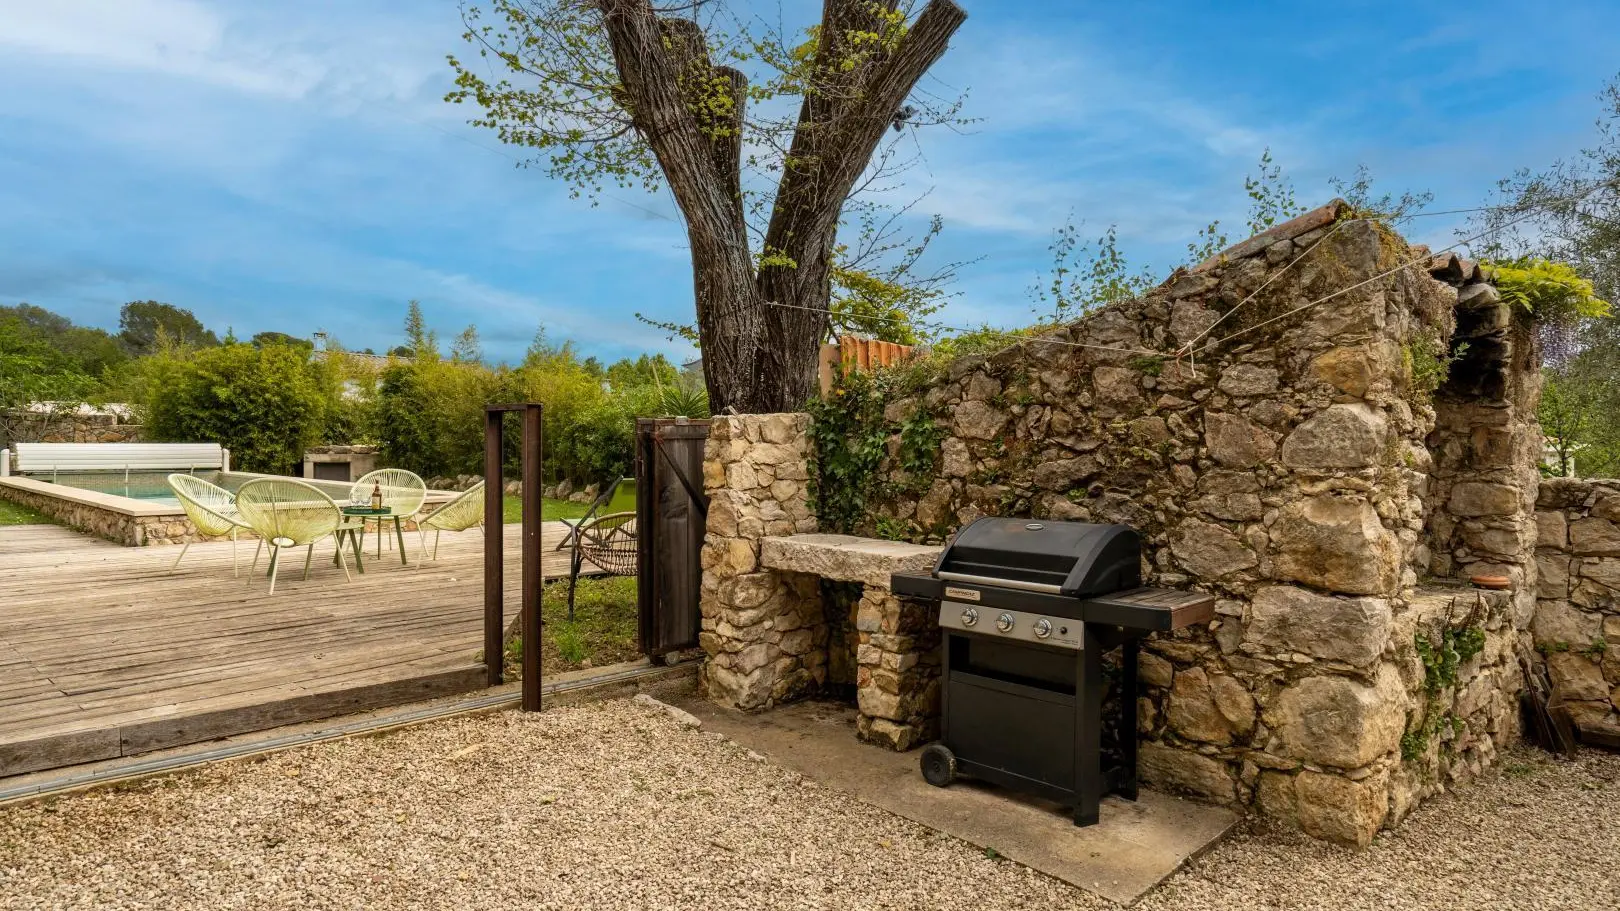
{"type": "Point", "coordinates": [849, 438]}
{"type": "Point", "coordinates": [1441, 657]}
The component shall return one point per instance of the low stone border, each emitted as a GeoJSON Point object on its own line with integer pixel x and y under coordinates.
{"type": "Point", "coordinates": [128, 521]}
{"type": "Point", "coordinates": [122, 520]}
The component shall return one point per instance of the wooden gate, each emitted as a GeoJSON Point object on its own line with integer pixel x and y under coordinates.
{"type": "Point", "coordinates": [671, 512]}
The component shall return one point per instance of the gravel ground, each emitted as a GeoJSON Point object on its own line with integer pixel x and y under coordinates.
{"type": "Point", "coordinates": [614, 805]}
{"type": "Point", "coordinates": [1539, 835]}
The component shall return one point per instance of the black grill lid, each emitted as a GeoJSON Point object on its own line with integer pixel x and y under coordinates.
{"type": "Point", "coordinates": [1070, 558]}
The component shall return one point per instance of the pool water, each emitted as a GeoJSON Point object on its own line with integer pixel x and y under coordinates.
{"type": "Point", "coordinates": [151, 486]}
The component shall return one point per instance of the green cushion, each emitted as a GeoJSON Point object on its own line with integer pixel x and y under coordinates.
{"type": "Point", "coordinates": [624, 498]}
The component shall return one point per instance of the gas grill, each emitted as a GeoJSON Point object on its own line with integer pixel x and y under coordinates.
{"type": "Point", "coordinates": [1028, 609]}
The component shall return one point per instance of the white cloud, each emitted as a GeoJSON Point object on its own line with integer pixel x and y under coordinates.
{"type": "Point", "coordinates": [1069, 125]}
{"type": "Point", "coordinates": [175, 37]}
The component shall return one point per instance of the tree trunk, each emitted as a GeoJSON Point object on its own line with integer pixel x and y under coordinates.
{"type": "Point", "coordinates": [760, 334]}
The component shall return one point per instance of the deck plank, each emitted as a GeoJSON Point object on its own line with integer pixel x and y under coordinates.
{"type": "Point", "coordinates": [103, 648]}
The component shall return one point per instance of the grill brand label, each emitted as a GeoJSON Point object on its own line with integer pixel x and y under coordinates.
{"type": "Point", "coordinates": [964, 594]}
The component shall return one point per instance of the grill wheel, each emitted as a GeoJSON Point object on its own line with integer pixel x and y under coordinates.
{"type": "Point", "coordinates": [938, 765]}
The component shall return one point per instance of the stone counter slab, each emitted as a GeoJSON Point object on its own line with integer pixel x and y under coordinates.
{"type": "Point", "coordinates": [847, 558]}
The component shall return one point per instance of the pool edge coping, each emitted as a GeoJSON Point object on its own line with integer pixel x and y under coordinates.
{"type": "Point", "coordinates": [107, 501]}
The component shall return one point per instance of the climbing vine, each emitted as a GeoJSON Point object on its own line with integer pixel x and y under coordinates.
{"type": "Point", "coordinates": [1441, 658]}
{"type": "Point", "coordinates": [849, 438]}
{"type": "Point", "coordinates": [920, 437]}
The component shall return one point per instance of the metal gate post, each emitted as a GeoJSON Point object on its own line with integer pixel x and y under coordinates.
{"type": "Point", "coordinates": [494, 551]}
{"type": "Point", "coordinates": [533, 576]}
{"type": "Point", "coordinates": [495, 548]}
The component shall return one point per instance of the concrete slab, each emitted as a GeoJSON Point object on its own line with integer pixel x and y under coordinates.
{"type": "Point", "coordinates": [1134, 848]}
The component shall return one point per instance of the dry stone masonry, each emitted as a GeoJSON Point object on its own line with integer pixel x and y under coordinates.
{"type": "Point", "coordinates": [78, 425]}
{"type": "Point", "coordinates": [1577, 621]}
{"type": "Point", "coordinates": [1288, 428]}
{"type": "Point", "coordinates": [763, 630]}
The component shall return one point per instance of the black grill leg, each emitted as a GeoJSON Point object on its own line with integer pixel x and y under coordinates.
{"type": "Point", "coordinates": [1127, 721]}
{"type": "Point", "coordinates": [1088, 730]}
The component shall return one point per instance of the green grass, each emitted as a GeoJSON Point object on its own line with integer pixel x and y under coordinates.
{"type": "Point", "coordinates": [550, 510]}
{"type": "Point", "coordinates": [18, 514]}
{"type": "Point", "coordinates": [602, 632]}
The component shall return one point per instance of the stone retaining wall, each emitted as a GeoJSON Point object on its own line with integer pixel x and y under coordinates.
{"type": "Point", "coordinates": [96, 427]}
{"type": "Point", "coordinates": [1577, 621]}
{"type": "Point", "coordinates": [114, 525]}
{"type": "Point", "coordinates": [1310, 464]}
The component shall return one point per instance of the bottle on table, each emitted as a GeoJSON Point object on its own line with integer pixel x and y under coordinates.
{"type": "Point", "coordinates": [376, 497]}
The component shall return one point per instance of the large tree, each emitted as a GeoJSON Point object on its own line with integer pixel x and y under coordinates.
{"type": "Point", "coordinates": [1570, 213]}
{"type": "Point", "coordinates": [142, 323]}
{"type": "Point", "coordinates": [623, 91]}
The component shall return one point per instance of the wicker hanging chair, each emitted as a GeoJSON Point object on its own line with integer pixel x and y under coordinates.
{"type": "Point", "coordinates": [608, 542]}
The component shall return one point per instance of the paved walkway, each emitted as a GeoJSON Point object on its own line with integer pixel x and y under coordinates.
{"type": "Point", "coordinates": [104, 652]}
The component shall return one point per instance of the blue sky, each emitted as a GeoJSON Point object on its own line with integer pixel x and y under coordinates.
{"type": "Point", "coordinates": [289, 166]}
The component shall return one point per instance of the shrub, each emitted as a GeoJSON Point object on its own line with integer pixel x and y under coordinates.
{"type": "Point", "coordinates": [267, 405]}
{"type": "Point", "coordinates": [1552, 291]}
{"type": "Point", "coordinates": [429, 415]}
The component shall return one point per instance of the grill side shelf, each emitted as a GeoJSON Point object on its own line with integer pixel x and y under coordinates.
{"type": "Point", "coordinates": [915, 585]}
{"type": "Point", "coordinates": [1151, 608]}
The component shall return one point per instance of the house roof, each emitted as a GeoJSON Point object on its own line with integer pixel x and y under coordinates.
{"type": "Point", "coordinates": [375, 361]}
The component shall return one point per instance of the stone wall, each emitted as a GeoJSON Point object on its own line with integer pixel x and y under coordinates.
{"type": "Point", "coordinates": [76, 427]}
{"type": "Point", "coordinates": [1486, 444]}
{"type": "Point", "coordinates": [895, 641]}
{"type": "Point", "coordinates": [769, 629]}
{"type": "Point", "coordinates": [1297, 460]}
{"type": "Point", "coordinates": [1577, 621]}
{"type": "Point", "coordinates": [764, 630]}
{"type": "Point", "coordinates": [118, 526]}
{"type": "Point", "coordinates": [1280, 426]}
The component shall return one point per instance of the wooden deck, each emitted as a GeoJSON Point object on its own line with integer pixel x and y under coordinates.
{"type": "Point", "coordinates": [105, 653]}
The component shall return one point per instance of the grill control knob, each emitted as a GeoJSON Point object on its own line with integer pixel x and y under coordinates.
{"type": "Point", "coordinates": [969, 617]}
{"type": "Point", "coordinates": [1004, 622]}
{"type": "Point", "coordinates": [1043, 628]}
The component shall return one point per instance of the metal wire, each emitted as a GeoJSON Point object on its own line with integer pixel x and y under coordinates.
{"type": "Point", "coordinates": [1018, 338]}
{"type": "Point", "coordinates": [1407, 265]}
{"type": "Point", "coordinates": [1188, 347]}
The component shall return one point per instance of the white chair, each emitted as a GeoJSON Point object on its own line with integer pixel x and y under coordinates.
{"type": "Point", "coordinates": [286, 513]}
{"type": "Point", "coordinates": [211, 508]}
{"type": "Point", "coordinates": [460, 514]}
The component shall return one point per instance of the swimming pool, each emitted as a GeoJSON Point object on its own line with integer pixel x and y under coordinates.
{"type": "Point", "coordinates": [137, 508]}
{"type": "Point", "coordinates": [150, 486]}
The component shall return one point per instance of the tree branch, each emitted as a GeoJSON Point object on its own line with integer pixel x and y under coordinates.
{"type": "Point", "coordinates": [835, 141]}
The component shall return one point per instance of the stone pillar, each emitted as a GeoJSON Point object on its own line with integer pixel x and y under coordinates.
{"type": "Point", "coordinates": [1576, 627]}
{"type": "Point", "coordinates": [1487, 445]}
{"type": "Point", "coordinates": [897, 684]}
{"type": "Point", "coordinates": [763, 629]}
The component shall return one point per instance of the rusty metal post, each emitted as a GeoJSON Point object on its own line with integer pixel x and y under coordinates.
{"type": "Point", "coordinates": [494, 555]}
{"type": "Point", "coordinates": [533, 553]}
